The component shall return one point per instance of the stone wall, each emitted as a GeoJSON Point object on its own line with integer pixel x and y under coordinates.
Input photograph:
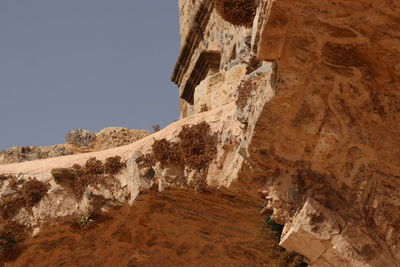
{"type": "Point", "coordinates": [203, 30]}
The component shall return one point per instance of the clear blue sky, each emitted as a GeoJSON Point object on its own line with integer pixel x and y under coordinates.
{"type": "Point", "coordinates": [67, 64]}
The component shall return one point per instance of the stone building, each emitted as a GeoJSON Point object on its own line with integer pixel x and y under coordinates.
{"type": "Point", "coordinates": [212, 55]}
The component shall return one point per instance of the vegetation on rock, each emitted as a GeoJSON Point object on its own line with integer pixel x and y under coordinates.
{"type": "Point", "coordinates": [245, 90]}
{"type": "Point", "coordinates": [237, 12]}
{"type": "Point", "coordinates": [33, 191]}
{"type": "Point", "coordinates": [11, 234]}
{"type": "Point", "coordinates": [195, 148]}
{"type": "Point", "coordinates": [95, 171]}
{"type": "Point", "coordinates": [21, 194]}
{"type": "Point", "coordinates": [269, 242]}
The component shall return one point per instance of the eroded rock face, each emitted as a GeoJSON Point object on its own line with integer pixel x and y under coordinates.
{"type": "Point", "coordinates": [80, 138]}
{"type": "Point", "coordinates": [330, 133]}
{"type": "Point", "coordinates": [20, 154]}
{"type": "Point", "coordinates": [118, 136]}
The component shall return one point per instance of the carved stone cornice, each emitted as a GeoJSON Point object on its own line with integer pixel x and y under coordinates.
{"type": "Point", "coordinates": [192, 41]}
{"type": "Point", "coordinates": [208, 60]}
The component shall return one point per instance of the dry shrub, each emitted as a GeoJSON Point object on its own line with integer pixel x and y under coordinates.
{"type": "Point", "coordinates": [146, 161]}
{"type": "Point", "coordinates": [14, 183]}
{"type": "Point", "coordinates": [165, 151]}
{"type": "Point", "coordinates": [198, 147]}
{"type": "Point", "coordinates": [10, 205]}
{"type": "Point", "coordinates": [4, 177]}
{"type": "Point", "coordinates": [204, 108]}
{"type": "Point", "coordinates": [237, 12]}
{"type": "Point", "coordinates": [195, 149]}
{"type": "Point", "coordinates": [11, 233]}
{"type": "Point", "coordinates": [33, 191]}
{"type": "Point", "coordinates": [82, 182]}
{"type": "Point", "coordinates": [245, 90]}
{"type": "Point", "coordinates": [156, 128]}
{"type": "Point", "coordinates": [95, 172]}
{"type": "Point", "coordinates": [79, 170]}
{"type": "Point", "coordinates": [113, 165]}
{"type": "Point", "coordinates": [30, 194]}
{"type": "Point", "coordinates": [94, 166]}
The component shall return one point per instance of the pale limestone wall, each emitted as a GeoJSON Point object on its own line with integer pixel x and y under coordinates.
{"type": "Point", "coordinates": [219, 89]}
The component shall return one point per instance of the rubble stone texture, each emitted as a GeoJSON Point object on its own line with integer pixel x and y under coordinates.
{"type": "Point", "coordinates": [76, 141]}
{"type": "Point", "coordinates": [80, 137]}
{"type": "Point", "coordinates": [306, 107]}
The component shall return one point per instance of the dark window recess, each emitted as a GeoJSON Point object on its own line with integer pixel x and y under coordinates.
{"type": "Point", "coordinates": [208, 63]}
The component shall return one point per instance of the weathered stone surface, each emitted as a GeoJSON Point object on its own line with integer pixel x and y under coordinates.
{"type": "Point", "coordinates": [118, 136]}
{"type": "Point", "coordinates": [329, 128]}
{"type": "Point", "coordinates": [64, 177]}
{"type": "Point", "coordinates": [80, 137]}
{"type": "Point", "coordinates": [60, 174]}
{"type": "Point", "coordinates": [77, 141]}
{"type": "Point", "coordinates": [219, 89]}
{"type": "Point", "coordinates": [19, 154]}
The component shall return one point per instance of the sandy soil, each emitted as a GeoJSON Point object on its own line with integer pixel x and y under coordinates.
{"type": "Point", "coordinates": [173, 228]}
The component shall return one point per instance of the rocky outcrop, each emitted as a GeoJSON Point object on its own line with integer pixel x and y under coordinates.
{"type": "Point", "coordinates": [77, 141]}
{"type": "Point", "coordinates": [80, 138]}
{"type": "Point", "coordinates": [29, 153]}
{"type": "Point", "coordinates": [117, 136]}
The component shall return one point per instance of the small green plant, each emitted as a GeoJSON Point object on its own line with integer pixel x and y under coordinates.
{"type": "Point", "coordinates": [85, 220]}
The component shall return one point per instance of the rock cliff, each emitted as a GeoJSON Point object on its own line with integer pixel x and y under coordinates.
{"type": "Point", "coordinates": [297, 102]}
